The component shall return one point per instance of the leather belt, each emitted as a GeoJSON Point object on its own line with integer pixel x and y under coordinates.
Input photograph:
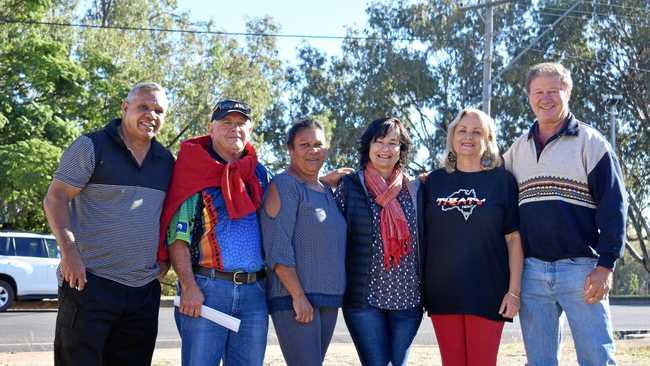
{"type": "Point", "coordinates": [238, 277]}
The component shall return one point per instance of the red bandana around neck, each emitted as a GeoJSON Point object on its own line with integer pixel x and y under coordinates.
{"type": "Point", "coordinates": [196, 169]}
{"type": "Point", "coordinates": [392, 221]}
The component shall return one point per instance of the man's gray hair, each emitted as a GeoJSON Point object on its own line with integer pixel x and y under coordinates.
{"type": "Point", "coordinates": [148, 86]}
{"type": "Point", "coordinates": [549, 69]}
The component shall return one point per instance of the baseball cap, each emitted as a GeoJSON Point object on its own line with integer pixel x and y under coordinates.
{"type": "Point", "coordinates": [226, 106]}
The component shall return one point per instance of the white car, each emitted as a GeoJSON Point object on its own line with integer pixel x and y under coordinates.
{"type": "Point", "coordinates": [28, 264]}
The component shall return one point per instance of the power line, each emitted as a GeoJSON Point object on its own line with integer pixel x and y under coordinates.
{"type": "Point", "coordinates": [586, 12]}
{"type": "Point", "coordinates": [632, 8]}
{"type": "Point", "coordinates": [549, 10]}
{"type": "Point", "coordinates": [534, 41]}
{"type": "Point", "coordinates": [586, 60]}
{"type": "Point", "coordinates": [192, 31]}
{"type": "Point", "coordinates": [586, 18]}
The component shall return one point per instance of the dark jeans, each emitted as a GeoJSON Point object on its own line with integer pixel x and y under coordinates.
{"type": "Point", "coordinates": [304, 344]}
{"type": "Point", "coordinates": [382, 337]}
{"type": "Point", "coordinates": [106, 324]}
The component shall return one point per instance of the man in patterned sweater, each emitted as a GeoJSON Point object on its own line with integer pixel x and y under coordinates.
{"type": "Point", "coordinates": [104, 207]}
{"type": "Point", "coordinates": [572, 207]}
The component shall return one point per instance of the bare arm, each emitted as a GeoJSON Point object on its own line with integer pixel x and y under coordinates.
{"type": "Point", "coordinates": [510, 303]}
{"type": "Point", "coordinates": [191, 296]}
{"type": "Point", "coordinates": [57, 210]}
{"type": "Point", "coordinates": [287, 274]}
{"type": "Point", "coordinates": [301, 305]}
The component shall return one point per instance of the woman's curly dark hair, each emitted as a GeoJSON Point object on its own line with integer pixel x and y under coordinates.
{"type": "Point", "coordinates": [379, 128]}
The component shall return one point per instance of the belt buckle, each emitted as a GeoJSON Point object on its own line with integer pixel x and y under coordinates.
{"type": "Point", "coordinates": [234, 278]}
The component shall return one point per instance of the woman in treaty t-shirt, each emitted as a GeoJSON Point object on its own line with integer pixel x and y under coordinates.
{"type": "Point", "coordinates": [473, 257]}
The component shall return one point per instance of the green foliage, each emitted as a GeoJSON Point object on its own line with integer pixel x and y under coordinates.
{"type": "Point", "coordinates": [41, 85]}
{"type": "Point", "coordinates": [26, 169]}
{"type": "Point", "coordinates": [423, 63]}
{"type": "Point", "coordinates": [420, 61]}
{"type": "Point", "coordinates": [630, 278]}
{"type": "Point", "coordinates": [61, 81]}
{"type": "Point", "coordinates": [420, 64]}
{"type": "Point", "coordinates": [168, 284]}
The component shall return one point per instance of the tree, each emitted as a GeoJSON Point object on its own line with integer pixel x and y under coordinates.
{"type": "Point", "coordinates": [62, 80]}
{"type": "Point", "coordinates": [40, 83]}
{"type": "Point", "coordinates": [423, 62]}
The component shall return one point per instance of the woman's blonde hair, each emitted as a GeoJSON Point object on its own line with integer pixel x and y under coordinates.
{"type": "Point", "coordinates": [491, 157]}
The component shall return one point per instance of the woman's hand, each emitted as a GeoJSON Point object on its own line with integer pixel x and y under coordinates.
{"type": "Point", "coordinates": [304, 310]}
{"type": "Point", "coordinates": [509, 305]}
{"type": "Point", "coordinates": [301, 305]}
{"type": "Point", "coordinates": [423, 177]}
{"type": "Point", "coordinates": [333, 178]}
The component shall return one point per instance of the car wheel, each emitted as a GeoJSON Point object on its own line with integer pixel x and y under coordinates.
{"type": "Point", "coordinates": [6, 295]}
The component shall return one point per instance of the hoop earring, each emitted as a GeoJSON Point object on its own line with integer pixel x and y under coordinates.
{"type": "Point", "coordinates": [486, 159]}
{"type": "Point", "coordinates": [451, 158]}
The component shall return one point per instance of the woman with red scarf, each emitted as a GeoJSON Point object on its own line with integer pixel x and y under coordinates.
{"type": "Point", "coordinates": [382, 301]}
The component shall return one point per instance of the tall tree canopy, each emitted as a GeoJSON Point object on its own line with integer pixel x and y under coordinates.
{"type": "Point", "coordinates": [60, 81]}
{"type": "Point", "coordinates": [421, 61]}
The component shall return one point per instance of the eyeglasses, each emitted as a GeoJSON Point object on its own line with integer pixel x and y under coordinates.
{"type": "Point", "coordinates": [389, 145]}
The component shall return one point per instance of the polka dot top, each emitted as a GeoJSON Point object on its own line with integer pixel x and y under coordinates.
{"type": "Point", "coordinates": [398, 287]}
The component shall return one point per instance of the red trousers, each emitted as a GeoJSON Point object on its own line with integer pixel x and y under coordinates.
{"type": "Point", "coordinates": [467, 340]}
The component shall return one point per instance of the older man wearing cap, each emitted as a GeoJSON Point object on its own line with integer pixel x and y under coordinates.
{"type": "Point", "coordinates": [212, 236]}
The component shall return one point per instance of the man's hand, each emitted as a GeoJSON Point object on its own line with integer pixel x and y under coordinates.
{"type": "Point", "coordinates": [191, 300]}
{"type": "Point", "coordinates": [73, 268]}
{"type": "Point", "coordinates": [333, 178]}
{"type": "Point", "coordinates": [597, 285]}
{"type": "Point", "coordinates": [304, 310]}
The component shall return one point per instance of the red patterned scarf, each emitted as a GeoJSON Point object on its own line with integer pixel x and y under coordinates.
{"type": "Point", "coordinates": [393, 225]}
{"type": "Point", "coordinates": [196, 169]}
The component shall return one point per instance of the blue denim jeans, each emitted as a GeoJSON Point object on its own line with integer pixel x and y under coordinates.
{"type": "Point", "coordinates": [382, 337]}
{"type": "Point", "coordinates": [304, 344]}
{"type": "Point", "coordinates": [547, 290]}
{"type": "Point", "coordinates": [206, 343]}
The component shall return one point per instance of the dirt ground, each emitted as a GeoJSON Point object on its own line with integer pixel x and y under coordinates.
{"type": "Point", "coordinates": [629, 353]}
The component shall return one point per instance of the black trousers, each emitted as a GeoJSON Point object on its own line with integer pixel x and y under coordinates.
{"type": "Point", "coordinates": [106, 324]}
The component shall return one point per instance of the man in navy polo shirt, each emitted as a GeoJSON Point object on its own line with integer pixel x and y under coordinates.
{"type": "Point", "coordinates": [103, 207]}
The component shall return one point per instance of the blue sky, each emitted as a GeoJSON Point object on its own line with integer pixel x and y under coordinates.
{"type": "Point", "coordinates": [330, 17]}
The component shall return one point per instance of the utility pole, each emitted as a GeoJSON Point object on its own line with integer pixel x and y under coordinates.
{"type": "Point", "coordinates": [487, 60]}
{"type": "Point", "coordinates": [534, 41]}
{"type": "Point", "coordinates": [487, 54]}
{"type": "Point", "coordinates": [612, 102]}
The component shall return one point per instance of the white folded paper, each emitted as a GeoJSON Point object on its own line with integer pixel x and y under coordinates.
{"type": "Point", "coordinates": [216, 316]}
